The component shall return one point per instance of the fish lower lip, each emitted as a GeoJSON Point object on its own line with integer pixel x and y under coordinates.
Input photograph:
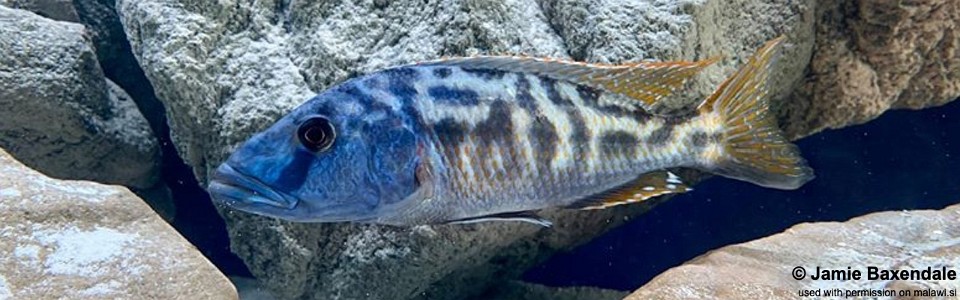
{"type": "Point", "coordinates": [233, 187]}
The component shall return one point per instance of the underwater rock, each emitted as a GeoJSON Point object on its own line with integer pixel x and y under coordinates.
{"type": "Point", "coordinates": [228, 70]}
{"type": "Point", "coordinates": [60, 10]}
{"type": "Point", "coordinates": [110, 42]}
{"type": "Point", "coordinates": [61, 116]}
{"type": "Point", "coordinates": [79, 239]}
{"type": "Point", "coordinates": [250, 289]}
{"type": "Point", "coordinates": [762, 269]}
{"type": "Point", "coordinates": [519, 290]}
{"type": "Point", "coordinates": [118, 63]}
{"type": "Point", "coordinates": [875, 55]}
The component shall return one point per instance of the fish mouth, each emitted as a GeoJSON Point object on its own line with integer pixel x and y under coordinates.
{"type": "Point", "coordinates": [236, 189]}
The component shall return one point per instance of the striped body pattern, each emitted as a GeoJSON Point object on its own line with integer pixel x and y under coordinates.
{"type": "Point", "coordinates": [493, 138]}
{"type": "Point", "coordinates": [509, 141]}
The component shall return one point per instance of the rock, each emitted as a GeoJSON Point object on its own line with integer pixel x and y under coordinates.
{"type": "Point", "coordinates": [61, 116]}
{"type": "Point", "coordinates": [875, 55]}
{"type": "Point", "coordinates": [116, 59]}
{"type": "Point", "coordinates": [529, 291]}
{"type": "Point", "coordinates": [112, 48]}
{"type": "Point", "coordinates": [226, 70]}
{"type": "Point", "coordinates": [87, 240]}
{"type": "Point", "coordinates": [60, 10]}
{"type": "Point", "coordinates": [250, 289]}
{"type": "Point", "coordinates": [761, 269]}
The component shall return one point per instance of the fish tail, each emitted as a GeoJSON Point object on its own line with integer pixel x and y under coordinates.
{"type": "Point", "coordinates": [752, 148]}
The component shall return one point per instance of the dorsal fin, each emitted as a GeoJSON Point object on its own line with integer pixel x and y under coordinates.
{"type": "Point", "coordinates": [647, 82]}
{"type": "Point", "coordinates": [646, 186]}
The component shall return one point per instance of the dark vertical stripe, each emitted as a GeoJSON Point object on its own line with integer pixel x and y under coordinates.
{"type": "Point", "coordinates": [550, 86]}
{"type": "Point", "coordinates": [400, 84]}
{"type": "Point", "coordinates": [497, 127]}
{"type": "Point", "coordinates": [450, 133]}
{"type": "Point", "coordinates": [580, 137]}
{"type": "Point", "coordinates": [524, 99]}
{"type": "Point", "coordinates": [618, 144]}
{"type": "Point", "coordinates": [588, 95]}
{"type": "Point", "coordinates": [544, 139]}
{"type": "Point", "coordinates": [701, 139]}
{"type": "Point", "coordinates": [661, 136]}
{"type": "Point", "coordinates": [698, 139]}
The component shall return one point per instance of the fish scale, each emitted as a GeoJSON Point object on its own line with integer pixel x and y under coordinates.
{"type": "Point", "coordinates": [564, 177]}
{"type": "Point", "coordinates": [474, 139]}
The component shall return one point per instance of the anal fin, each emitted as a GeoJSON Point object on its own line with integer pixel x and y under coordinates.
{"type": "Point", "coordinates": [646, 186]}
{"type": "Point", "coordinates": [520, 216]}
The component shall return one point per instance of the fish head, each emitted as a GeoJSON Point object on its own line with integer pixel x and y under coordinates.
{"type": "Point", "coordinates": [336, 158]}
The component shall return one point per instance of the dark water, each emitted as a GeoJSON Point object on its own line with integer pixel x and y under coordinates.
{"type": "Point", "coordinates": [196, 219]}
{"type": "Point", "coordinates": [903, 160]}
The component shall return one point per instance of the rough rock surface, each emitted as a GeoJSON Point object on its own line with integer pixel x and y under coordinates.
{"type": "Point", "coordinates": [117, 61]}
{"type": "Point", "coordinates": [61, 116]}
{"type": "Point", "coordinates": [60, 10]}
{"type": "Point", "coordinates": [112, 48]}
{"type": "Point", "coordinates": [874, 55]}
{"type": "Point", "coordinates": [87, 240]}
{"type": "Point", "coordinates": [226, 70]}
{"type": "Point", "coordinates": [761, 269]}
{"type": "Point", "coordinates": [518, 290]}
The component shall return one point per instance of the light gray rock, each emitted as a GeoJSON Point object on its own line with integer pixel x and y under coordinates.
{"type": "Point", "coordinates": [226, 70]}
{"type": "Point", "coordinates": [113, 51]}
{"type": "Point", "coordinates": [762, 269]}
{"type": "Point", "coordinates": [60, 115]}
{"type": "Point", "coordinates": [84, 240]}
{"type": "Point", "coordinates": [618, 31]}
{"type": "Point", "coordinates": [117, 61]}
{"type": "Point", "coordinates": [60, 10]}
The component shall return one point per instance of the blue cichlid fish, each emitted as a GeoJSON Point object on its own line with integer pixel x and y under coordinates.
{"type": "Point", "coordinates": [496, 138]}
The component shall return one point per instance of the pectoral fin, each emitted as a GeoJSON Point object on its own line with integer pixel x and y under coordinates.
{"type": "Point", "coordinates": [522, 216]}
{"type": "Point", "coordinates": [646, 186]}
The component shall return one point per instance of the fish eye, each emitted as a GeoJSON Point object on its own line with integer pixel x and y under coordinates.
{"type": "Point", "coordinates": [316, 134]}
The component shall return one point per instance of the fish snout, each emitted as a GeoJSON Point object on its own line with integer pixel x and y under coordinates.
{"type": "Point", "coordinates": [236, 189]}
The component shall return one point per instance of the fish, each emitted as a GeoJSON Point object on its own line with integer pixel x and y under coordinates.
{"type": "Point", "coordinates": [500, 138]}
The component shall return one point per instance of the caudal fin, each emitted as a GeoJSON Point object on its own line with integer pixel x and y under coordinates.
{"type": "Point", "coordinates": [753, 147]}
